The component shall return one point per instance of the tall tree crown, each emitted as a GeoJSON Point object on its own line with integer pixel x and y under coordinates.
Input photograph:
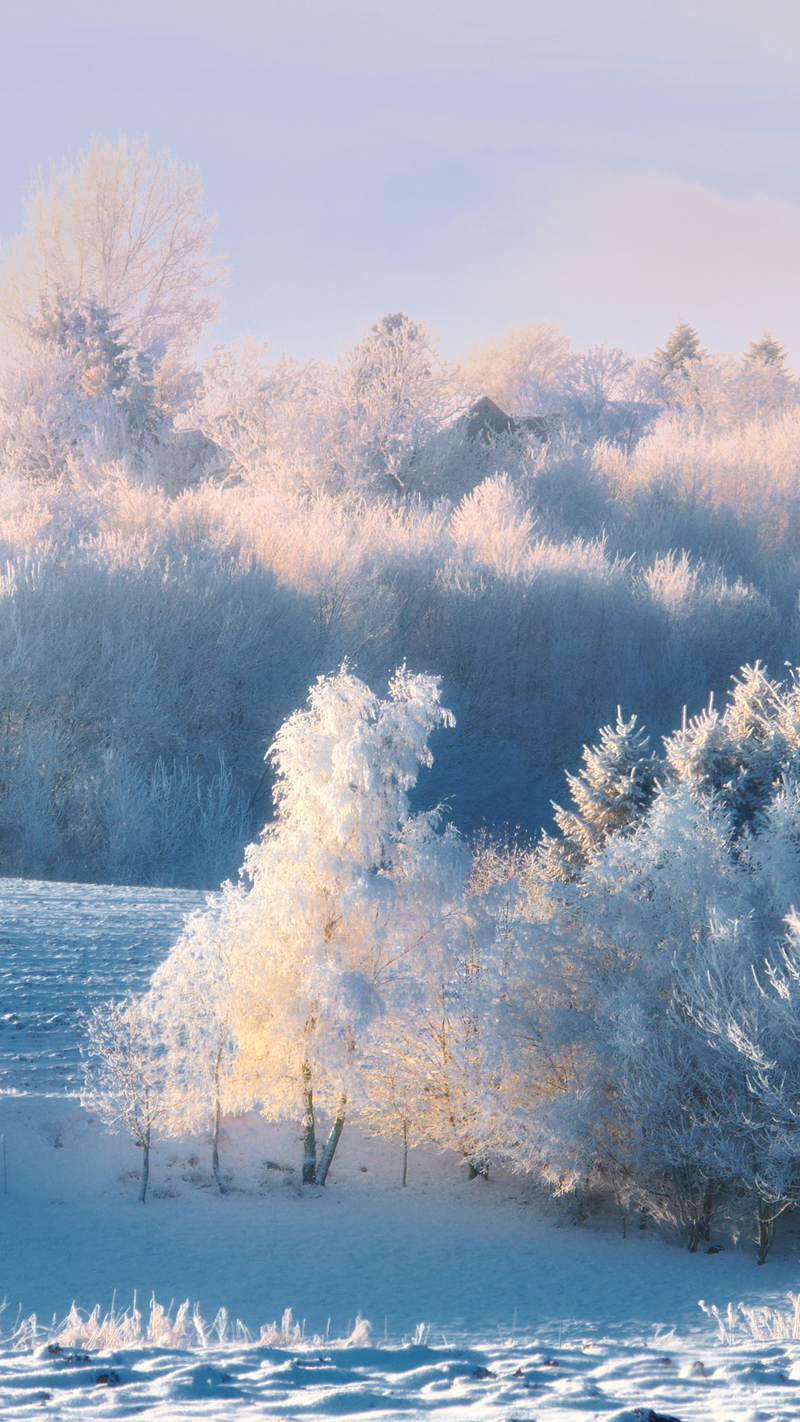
{"type": "Point", "coordinates": [125, 229]}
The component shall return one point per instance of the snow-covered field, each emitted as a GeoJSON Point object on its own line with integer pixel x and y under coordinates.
{"type": "Point", "coordinates": [63, 948]}
{"type": "Point", "coordinates": [484, 1300]}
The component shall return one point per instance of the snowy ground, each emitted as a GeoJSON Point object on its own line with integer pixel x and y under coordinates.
{"type": "Point", "coordinates": [517, 1311]}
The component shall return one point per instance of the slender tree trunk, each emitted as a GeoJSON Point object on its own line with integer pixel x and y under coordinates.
{"type": "Point", "coordinates": [309, 1137]}
{"type": "Point", "coordinates": [332, 1141]}
{"type": "Point", "coordinates": [708, 1211]}
{"type": "Point", "coordinates": [405, 1152]}
{"type": "Point", "coordinates": [215, 1136]}
{"type": "Point", "coordinates": [145, 1164]}
{"type": "Point", "coordinates": [767, 1215]}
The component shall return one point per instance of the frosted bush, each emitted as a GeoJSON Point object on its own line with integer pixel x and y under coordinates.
{"type": "Point", "coordinates": [750, 471]}
{"type": "Point", "coordinates": [492, 525]}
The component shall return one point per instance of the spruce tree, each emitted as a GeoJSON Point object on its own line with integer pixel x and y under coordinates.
{"type": "Point", "coordinates": [610, 793]}
{"type": "Point", "coordinates": [741, 756]}
{"type": "Point", "coordinates": [767, 351]}
{"type": "Point", "coordinates": [681, 350]}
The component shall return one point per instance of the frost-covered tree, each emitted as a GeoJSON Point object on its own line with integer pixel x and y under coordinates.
{"type": "Point", "coordinates": [267, 417]}
{"type": "Point", "coordinates": [360, 427]}
{"type": "Point", "coordinates": [590, 1067]}
{"type": "Point", "coordinates": [601, 375]}
{"type": "Point", "coordinates": [681, 351]}
{"type": "Point", "coordinates": [741, 755]}
{"type": "Point", "coordinates": [103, 298]}
{"type": "Point", "coordinates": [189, 1000]}
{"type": "Point", "coordinates": [389, 393]}
{"type": "Point", "coordinates": [609, 395]}
{"type": "Point", "coordinates": [127, 1082]}
{"type": "Point", "coordinates": [45, 420]}
{"type": "Point", "coordinates": [745, 1006]}
{"type": "Point", "coordinates": [125, 229]}
{"type": "Point", "coordinates": [347, 888]}
{"type": "Point", "coordinates": [422, 1067]}
{"type": "Point", "coordinates": [89, 334]}
{"type": "Point", "coordinates": [631, 1040]}
{"type": "Point", "coordinates": [610, 793]}
{"type": "Point", "coordinates": [766, 351]}
{"type": "Point", "coordinates": [526, 371]}
{"type": "Point", "coordinates": [75, 391]}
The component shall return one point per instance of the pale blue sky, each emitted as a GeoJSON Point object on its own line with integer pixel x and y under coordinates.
{"type": "Point", "coordinates": [609, 166]}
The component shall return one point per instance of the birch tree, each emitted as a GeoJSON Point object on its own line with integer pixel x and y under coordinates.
{"type": "Point", "coordinates": [126, 1079]}
{"type": "Point", "coordinates": [189, 999]}
{"type": "Point", "coordinates": [338, 902]}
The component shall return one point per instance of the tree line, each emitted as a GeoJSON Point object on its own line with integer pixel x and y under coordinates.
{"type": "Point", "coordinates": [187, 547]}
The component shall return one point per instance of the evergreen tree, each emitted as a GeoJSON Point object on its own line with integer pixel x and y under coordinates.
{"type": "Point", "coordinates": [682, 349]}
{"type": "Point", "coordinates": [610, 793]}
{"type": "Point", "coordinates": [767, 351]}
{"type": "Point", "coordinates": [104, 366]}
{"type": "Point", "coordinates": [741, 756]}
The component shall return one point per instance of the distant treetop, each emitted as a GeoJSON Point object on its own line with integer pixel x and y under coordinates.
{"type": "Point", "coordinates": [121, 230]}
{"type": "Point", "coordinates": [681, 349]}
{"type": "Point", "coordinates": [767, 351]}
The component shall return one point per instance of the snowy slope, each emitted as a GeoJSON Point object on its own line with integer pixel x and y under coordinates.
{"type": "Point", "coordinates": [501, 1279]}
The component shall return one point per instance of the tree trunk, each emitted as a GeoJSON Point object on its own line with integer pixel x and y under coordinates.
{"type": "Point", "coordinates": [767, 1215]}
{"type": "Point", "coordinates": [693, 1235]}
{"type": "Point", "coordinates": [145, 1165]}
{"type": "Point", "coordinates": [215, 1136]}
{"type": "Point", "coordinates": [708, 1211]}
{"type": "Point", "coordinates": [695, 1201]}
{"type": "Point", "coordinates": [309, 1137]}
{"type": "Point", "coordinates": [332, 1141]}
{"type": "Point", "coordinates": [405, 1152]}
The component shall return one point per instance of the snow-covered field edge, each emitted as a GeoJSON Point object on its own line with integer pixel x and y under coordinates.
{"type": "Point", "coordinates": [651, 1379]}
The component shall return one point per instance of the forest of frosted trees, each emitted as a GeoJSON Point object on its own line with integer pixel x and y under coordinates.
{"type": "Point", "coordinates": [186, 547]}
{"type": "Point", "coordinates": [591, 559]}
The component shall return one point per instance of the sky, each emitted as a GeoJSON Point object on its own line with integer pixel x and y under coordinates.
{"type": "Point", "coordinates": [609, 165]}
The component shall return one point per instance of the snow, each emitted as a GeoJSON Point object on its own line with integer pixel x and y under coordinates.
{"type": "Point", "coordinates": [63, 948]}
{"type": "Point", "coordinates": [489, 1278]}
{"type": "Point", "coordinates": [620, 1383]}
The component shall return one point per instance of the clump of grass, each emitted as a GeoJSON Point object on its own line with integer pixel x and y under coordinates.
{"type": "Point", "coordinates": [93, 1332]}
{"type": "Point", "coordinates": [289, 1335]}
{"type": "Point", "coordinates": [763, 1324]}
